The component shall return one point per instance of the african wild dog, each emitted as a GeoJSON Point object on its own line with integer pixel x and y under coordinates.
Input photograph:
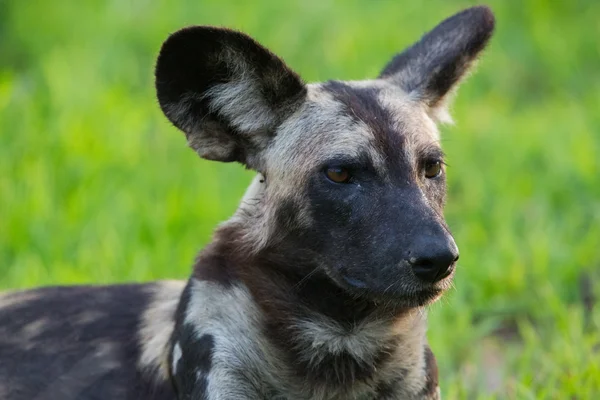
{"type": "Point", "coordinates": [316, 288]}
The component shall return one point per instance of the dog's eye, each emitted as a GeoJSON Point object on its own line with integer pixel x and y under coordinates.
{"type": "Point", "coordinates": [433, 169]}
{"type": "Point", "coordinates": [338, 174]}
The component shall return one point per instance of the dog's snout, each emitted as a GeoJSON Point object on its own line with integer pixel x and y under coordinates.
{"type": "Point", "coordinates": [432, 258]}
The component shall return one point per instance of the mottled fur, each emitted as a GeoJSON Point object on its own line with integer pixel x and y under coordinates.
{"type": "Point", "coordinates": [314, 289]}
{"type": "Point", "coordinates": [87, 342]}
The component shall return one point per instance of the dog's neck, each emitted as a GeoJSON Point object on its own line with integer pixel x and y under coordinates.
{"type": "Point", "coordinates": [288, 284]}
{"type": "Point", "coordinates": [326, 336]}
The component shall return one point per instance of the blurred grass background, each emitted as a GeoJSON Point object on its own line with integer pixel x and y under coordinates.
{"type": "Point", "coordinates": [96, 186]}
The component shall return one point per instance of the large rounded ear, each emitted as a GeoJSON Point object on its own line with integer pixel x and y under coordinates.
{"type": "Point", "coordinates": [225, 91]}
{"type": "Point", "coordinates": [432, 67]}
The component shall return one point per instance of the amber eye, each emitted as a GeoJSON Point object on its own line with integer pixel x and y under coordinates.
{"type": "Point", "coordinates": [338, 174]}
{"type": "Point", "coordinates": [433, 169]}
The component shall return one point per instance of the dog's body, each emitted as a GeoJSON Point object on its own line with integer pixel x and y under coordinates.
{"type": "Point", "coordinates": [115, 342]}
{"type": "Point", "coordinates": [89, 342]}
{"type": "Point", "coordinates": [316, 288]}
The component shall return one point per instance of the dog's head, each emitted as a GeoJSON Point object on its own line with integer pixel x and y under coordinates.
{"type": "Point", "coordinates": [351, 174]}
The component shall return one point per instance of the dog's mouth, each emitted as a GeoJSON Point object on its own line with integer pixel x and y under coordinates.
{"type": "Point", "coordinates": [409, 292]}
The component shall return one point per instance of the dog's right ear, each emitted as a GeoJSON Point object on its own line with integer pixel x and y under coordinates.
{"type": "Point", "coordinates": [225, 91]}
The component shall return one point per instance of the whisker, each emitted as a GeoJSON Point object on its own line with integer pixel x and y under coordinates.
{"type": "Point", "coordinates": [311, 273]}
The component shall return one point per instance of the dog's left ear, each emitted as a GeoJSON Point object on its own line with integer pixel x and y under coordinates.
{"type": "Point", "coordinates": [432, 67]}
{"type": "Point", "coordinates": [225, 91]}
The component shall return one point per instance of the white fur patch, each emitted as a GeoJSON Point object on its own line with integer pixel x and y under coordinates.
{"type": "Point", "coordinates": [324, 336]}
{"type": "Point", "coordinates": [157, 327]}
{"type": "Point", "coordinates": [242, 103]}
{"type": "Point", "coordinates": [11, 298]}
{"type": "Point", "coordinates": [252, 215]}
{"type": "Point", "coordinates": [176, 357]}
{"type": "Point", "coordinates": [240, 359]}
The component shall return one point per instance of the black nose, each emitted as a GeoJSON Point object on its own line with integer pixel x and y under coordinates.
{"type": "Point", "coordinates": [432, 259]}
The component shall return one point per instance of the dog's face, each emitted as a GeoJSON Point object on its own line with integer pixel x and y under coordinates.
{"type": "Point", "coordinates": [351, 173]}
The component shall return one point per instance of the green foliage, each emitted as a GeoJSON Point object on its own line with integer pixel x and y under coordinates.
{"type": "Point", "coordinates": [96, 186]}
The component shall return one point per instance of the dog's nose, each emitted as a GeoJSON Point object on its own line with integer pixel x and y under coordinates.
{"type": "Point", "coordinates": [432, 259]}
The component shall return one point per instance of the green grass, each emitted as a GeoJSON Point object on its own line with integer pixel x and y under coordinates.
{"type": "Point", "coordinates": [96, 186]}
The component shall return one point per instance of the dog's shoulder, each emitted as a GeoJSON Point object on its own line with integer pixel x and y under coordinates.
{"type": "Point", "coordinates": [217, 339]}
